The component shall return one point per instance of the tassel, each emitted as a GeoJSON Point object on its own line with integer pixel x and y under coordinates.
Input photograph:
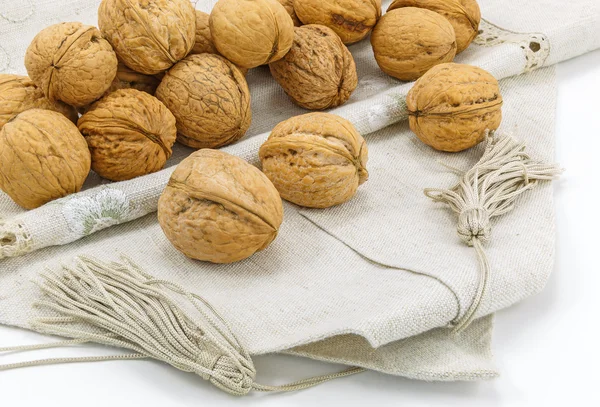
{"type": "Point", "coordinates": [119, 305]}
{"type": "Point", "coordinates": [487, 190]}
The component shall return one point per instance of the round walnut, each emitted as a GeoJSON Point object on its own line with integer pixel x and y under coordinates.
{"type": "Point", "coordinates": [319, 71]}
{"type": "Point", "coordinates": [289, 7]}
{"type": "Point", "coordinates": [408, 41]}
{"type": "Point", "coordinates": [127, 78]}
{"type": "Point", "coordinates": [42, 157]}
{"type": "Point", "coordinates": [148, 36]}
{"type": "Point", "coordinates": [210, 99]}
{"type": "Point", "coordinates": [250, 33]}
{"type": "Point", "coordinates": [130, 133]}
{"type": "Point", "coordinates": [452, 106]}
{"type": "Point", "coordinates": [218, 208]}
{"type": "Point", "coordinates": [464, 15]}
{"type": "Point", "coordinates": [204, 42]}
{"type": "Point", "coordinates": [352, 20]}
{"type": "Point", "coordinates": [19, 93]}
{"type": "Point", "coordinates": [71, 62]}
{"type": "Point", "coordinates": [315, 160]}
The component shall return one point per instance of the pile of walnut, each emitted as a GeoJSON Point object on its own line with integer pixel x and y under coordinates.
{"type": "Point", "coordinates": [158, 71]}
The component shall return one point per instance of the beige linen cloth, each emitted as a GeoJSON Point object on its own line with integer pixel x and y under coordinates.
{"type": "Point", "coordinates": [373, 282]}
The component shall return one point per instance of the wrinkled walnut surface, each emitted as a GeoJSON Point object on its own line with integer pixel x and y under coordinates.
{"type": "Point", "coordinates": [464, 15]}
{"type": "Point", "coordinates": [218, 208]}
{"type": "Point", "coordinates": [408, 41]}
{"type": "Point", "coordinates": [289, 7]}
{"type": "Point", "coordinates": [130, 133]}
{"type": "Point", "coordinates": [204, 42]}
{"type": "Point", "coordinates": [42, 157]}
{"type": "Point", "coordinates": [148, 36]}
{"type": "Point", "coordinates": [319, 71]}
{"type": "Point", "coordinates": [315, 160]}
{"type": "Point", "coordinates": [352, 20]}
{"type": "Point", "coordinates": [71, 62]}
{"type": "Point", "coordinates": [19, 93]}
{"type": "Point", "coordinates": [250, 33]}
{"type": "Point", "coordinates": [210, 99]}
{"type": "Point", "coordinates": [452, 106]}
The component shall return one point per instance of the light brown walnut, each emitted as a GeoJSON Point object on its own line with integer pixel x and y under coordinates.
{"type": "Point", "coordinates": [319, 71]}
{"type": "Point", "coordinates": [204, 42]}
{"type": "Point", "coordinates": [127, 78]}
{"type": "Point", "coordinates": [250, 33]}
{"type": "Point", "coordinates": [148, 36]}
{"type": "Point", "coordinates": [464, 15]}
{"type": "Point", "coordinates": [210, 99]}
{"type": "Point", "coordinates": [42, 157]}
{"type": "Point", "coordinates": [130, 133]}
{"type": "Point", "coordinates": [409, 41]}
{"type": "Point", "coordinates": [315, 160]}
{"type": "Point", "coordinates": [352, 20]}
{"type": "Point", "coordinates": [289, 7]}
{"type": "Point", "coordinates": [71, 62]}
{"type": "Point", "coordinates": [452, 106]}
{"type": "Point", "coordinates": [19, 93]}
{"type": "Point", "coordinates": [218, 208]}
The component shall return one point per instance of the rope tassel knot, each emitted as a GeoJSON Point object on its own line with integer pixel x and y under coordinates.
{"type": "Point", "coordinates": [490, 189]}
{"type": "Point", "coordinates": [118, 304]}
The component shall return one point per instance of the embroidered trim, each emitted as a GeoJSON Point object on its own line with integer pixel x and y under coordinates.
{"type": "Point", "coordinates": [536, 46]}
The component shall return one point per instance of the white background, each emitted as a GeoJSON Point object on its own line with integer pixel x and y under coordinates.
{"type": "Point", "coordinates": [547, 348]}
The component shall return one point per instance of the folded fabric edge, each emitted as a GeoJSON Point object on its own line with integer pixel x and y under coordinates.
{"type": "Point", "coordinates": [435, 355]}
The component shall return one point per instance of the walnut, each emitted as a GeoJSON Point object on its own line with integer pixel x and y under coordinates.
{"type": "Point", "coordinates": [352, 20]}
{"type": "Point", "coordinates": [204, 42]}
{"type": "Point", "coordinates": [130, 133]}
{"type": "Point", "coordinates": [408, 41]}
{"type": "Point", "coordinates": [218, 208]}
{"type": "Point", "coordinates": [210, 99]}
{"type": "Point", "coordinates": [316, 160]}
{"type": "Point", "coordinates": [127, 78]}
{"type": "Point", "coordinates": [250, 33]}
{"type": "Point", "coordinates": [71, 62]}
{"type": "Point", "coordinates": [289, 7]}
{"type": "Point", "coordinates": [19, 93]}
{"type": "Point", "coordinates": [453, 105]}
{"type": "Point", "coordinates": [148, 36]}
{"type": "Point", "coordinates": [464, 15]}
{"type": "Point", "coordinates": [319, 71]}
{"type": "Point", "coordinates": [42, 157]}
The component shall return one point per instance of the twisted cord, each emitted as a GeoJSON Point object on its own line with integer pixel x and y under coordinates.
{"type": "Point", "coordinates": [488, 190]}
{"type": "Point", "coordinates": [118, 304]}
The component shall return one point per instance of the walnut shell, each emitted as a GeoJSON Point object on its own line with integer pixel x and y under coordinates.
{"type": "Point", "coordinates": [148, 36]}
{"type": "Point", "coordinates": [19, 93]}
{"type": "Point", "coordinates": [319, 71]}
{"type": "Point", "coordinates": [71, 62]}
{"type": "Point", "coordinates": [452, 106]}
{"type": "Point", "coordinates": [352, 20]}
{"type": "Point", "coordinates": [127, 78]}
{"type": "Point", "coordinates": [218, 208]}
{"type": "Point", "coordinates": [289, 7]}
{"type": "Point", "coordinates": [315, 160]}
{"type": "Point", "coordinates": [130, 133]}
{"type": "Point", "coordinates": [210, 99]}
{"type": "Point", "coordinates": [204, 42]}
{"type": "Point", "coordinates": [250, 33]}
{"type": "Point", "coordinates": [464, 15]}
{"type": "Point", "coordinates": [408, 41]}
{"type": "Point", "coordinates": [42, 157]}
